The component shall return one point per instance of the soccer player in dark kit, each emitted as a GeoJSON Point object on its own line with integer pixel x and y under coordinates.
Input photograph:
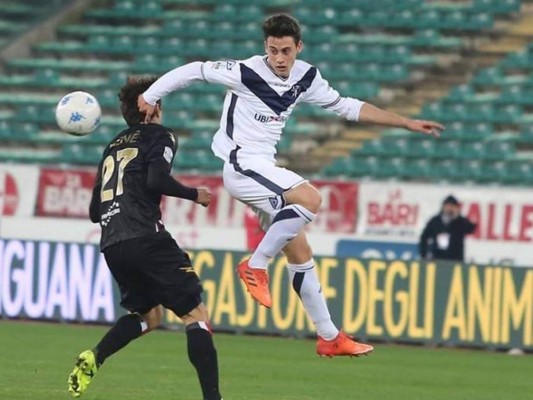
{"type": "Point", "coordinates": [151, 270]}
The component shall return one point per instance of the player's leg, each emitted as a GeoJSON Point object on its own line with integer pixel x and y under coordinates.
{"type": "Point", "coordinates": [123, 260]}
{"type": "Point", "coordinates": [179, 288]}
{"type": "Point", "coordinates": [302, 274]}
{"type": "Point", "coordinates": [303, 202]}
{"type": "Point", "coordinates": [263, 186]}
{"type": "Point", "coordinates": [127, 328]}
{"type": "Point", "coordinates": [305, 282]}
{"type": "Point", "coordinates": [201, 350]}
{"type": "Point", "coordinates": [284, 227]}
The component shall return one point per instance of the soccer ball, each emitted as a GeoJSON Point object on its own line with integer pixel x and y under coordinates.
{"type": "Point", "coordinates": [78, 113]}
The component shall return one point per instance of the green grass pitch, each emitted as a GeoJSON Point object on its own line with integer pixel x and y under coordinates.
{"type": "Point", "coordinates": [36, 359]}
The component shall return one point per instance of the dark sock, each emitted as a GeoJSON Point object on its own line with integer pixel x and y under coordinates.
{"type": "Point", "coordinates": [126, 329]}
{"type": "Point", "coordinates": [203, 356]}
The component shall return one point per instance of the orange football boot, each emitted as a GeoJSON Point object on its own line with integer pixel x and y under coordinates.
{"type": "Point", "coordinates": [256, 281]}
{"type": "Point", "coordinates": [342, 345]}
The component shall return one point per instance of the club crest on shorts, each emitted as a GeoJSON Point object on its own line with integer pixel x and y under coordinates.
{"type": "Point", "coordinates": [275, 202]}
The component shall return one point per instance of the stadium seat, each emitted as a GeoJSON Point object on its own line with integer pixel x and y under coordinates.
{"type": "Point", "coordinates": [364, 167]}
{"type": "Point", "coordinates": [363, 48]}
{"type": "Point", "coordinates": [419, 169]}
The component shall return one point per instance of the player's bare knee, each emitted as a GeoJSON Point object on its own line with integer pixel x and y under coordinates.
{"type": "Point", "coordinates": [305, 195]}
{"type": "Point", "coordinates": [314, 201]}
{"type": "Point", "coordinates": [196, 315]}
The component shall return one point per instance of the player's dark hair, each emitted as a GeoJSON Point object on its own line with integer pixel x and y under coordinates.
{"type": "Point", "coordinates": [280, 25]}
{"type": "Point", "coordinates": [134, 86]}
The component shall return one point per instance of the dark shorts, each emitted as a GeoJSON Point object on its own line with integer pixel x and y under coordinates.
{"type": "Point", "coordinates": [154, 270]}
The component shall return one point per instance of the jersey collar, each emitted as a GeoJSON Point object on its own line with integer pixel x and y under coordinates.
{"type": "Point", "coordinates": [265, 59]}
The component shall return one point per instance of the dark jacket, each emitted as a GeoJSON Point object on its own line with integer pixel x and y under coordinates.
{"type": "Point", "coordinates": [442, 241]}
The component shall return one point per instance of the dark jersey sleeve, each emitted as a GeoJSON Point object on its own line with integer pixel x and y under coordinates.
{"type": "Point", "coordinates": [162, 148]}
{"type": "Point", "coordinates": [159, 158]}
{"type": "Point", "coordinates": [94, 206]}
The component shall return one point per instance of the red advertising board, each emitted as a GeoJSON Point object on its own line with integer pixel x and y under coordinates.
{"type": "Point", "coordinates": [18, 190]}
{"type": "Point", "coordinates": [64, 193]}
{"type": "Point", "coordinates": [67, 193]}
{"type": "Point", "coordinates": [402, 210]}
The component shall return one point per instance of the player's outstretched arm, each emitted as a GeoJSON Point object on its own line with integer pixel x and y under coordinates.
{"type": "Point", "coordinates": [375, 115]}
{"type": "Point", "coordinates": [173, 80]}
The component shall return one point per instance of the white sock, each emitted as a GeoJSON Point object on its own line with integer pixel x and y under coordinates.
{"type": "Point", "coordinates": [285, 226]}
{"type": "Point", "coordinates": [305, 283]}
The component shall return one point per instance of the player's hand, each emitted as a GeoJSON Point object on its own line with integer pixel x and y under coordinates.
{"type": "Point", "coordinates": [146, 109]}
{"type": "Point", "coordinates": [204, 197]}
{"type": "Point", "coordinates": [426, 127]}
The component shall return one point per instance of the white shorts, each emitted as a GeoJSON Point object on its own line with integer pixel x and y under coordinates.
{"type": "Point", "coordinates": [260, 184]}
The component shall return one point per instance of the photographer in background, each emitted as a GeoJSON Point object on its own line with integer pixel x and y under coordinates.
{"type": "Point", "coordinates": [444, 235]}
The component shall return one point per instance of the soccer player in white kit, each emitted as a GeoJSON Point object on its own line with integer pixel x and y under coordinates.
{"type": "Point", "coordinates": [262, 93]}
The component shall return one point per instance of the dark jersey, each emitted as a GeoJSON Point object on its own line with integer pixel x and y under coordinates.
{"type": "Point", "coordinates": [128, 207]}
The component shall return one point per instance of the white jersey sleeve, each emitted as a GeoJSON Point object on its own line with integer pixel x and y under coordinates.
{"type": "Point", "coordinates": [226, 73]}
{"type": "Point", "coordinates": [173, 80]}
{"type": "Point", "coordinates": [322, 94]}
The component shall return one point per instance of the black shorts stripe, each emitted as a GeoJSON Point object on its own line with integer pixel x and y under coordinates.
{"type": "Point", "coordinates": [254, 175]}
{"type": "Point", "coordinates": [229, 118]}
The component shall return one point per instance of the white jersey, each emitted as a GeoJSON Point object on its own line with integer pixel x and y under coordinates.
{"type": "Point", "coordinates": [258, 102]}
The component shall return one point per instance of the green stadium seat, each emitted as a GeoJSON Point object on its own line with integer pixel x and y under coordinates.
{"type": "Point", "coordinates": [339, 166]}
{"type": "Point", "coordinates": [391, 167]}
{"type": "Point", "coordinates": [18, 10]}
{"type": "Point", "coordinates": [418, 168]}
{"type": "Point", "coordinates": [431, 38]}
{"type": "Point", "coordinates": [517, 94]}
{"type": "Point", "coordinates": [129, 10]}
{"type": "Point", "coordinates": [36, 114]}
{"type": "Point", "coordinates": [448, 170]}
{"type": "Point", "coordinates": [284, 145]}
{"type": "Point", "coordinates": [364, 166]}
{"type": "Point", "coordinates": [499, 148]}
{"type": "Point", "coordinates": [497, 6]}
{"type": "Point", "coordinates": [202, 160]}
{"type": "Point", "coordinates": [520, 170]}
{"type": "Point", "coordinates": [422, 148]}
{"type": "Point", "coordinates": [520, 60]}
{"type": "Point", "coordinates": [371, 148]}
{"type": "Point", "coordinates": [67, 64]}
{"type": "Point", "coordinates": [10, 27]}
{"type": "Point", "coordinates": [468, 131]}
{"type": "Point", "coordinates": [526, 135]}
{"type": "Point", "coordinates": [198, 141]}
{"type": "Point", "coordinates": [448, 149]}
{"type": "Point", "coordinates": [488, 76]}
{"type": "Point", "coordinates": [29, 156]}
{"type": "Point", "coordinates": [461, 93]}
{"type": "Point", "coordinates": [493, 172]}
{"type": "Point", "coordinates": [82, 154]}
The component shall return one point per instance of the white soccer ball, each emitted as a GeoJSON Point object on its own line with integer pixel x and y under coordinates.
{"type": "Point", "coordinates": [78, 113]}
